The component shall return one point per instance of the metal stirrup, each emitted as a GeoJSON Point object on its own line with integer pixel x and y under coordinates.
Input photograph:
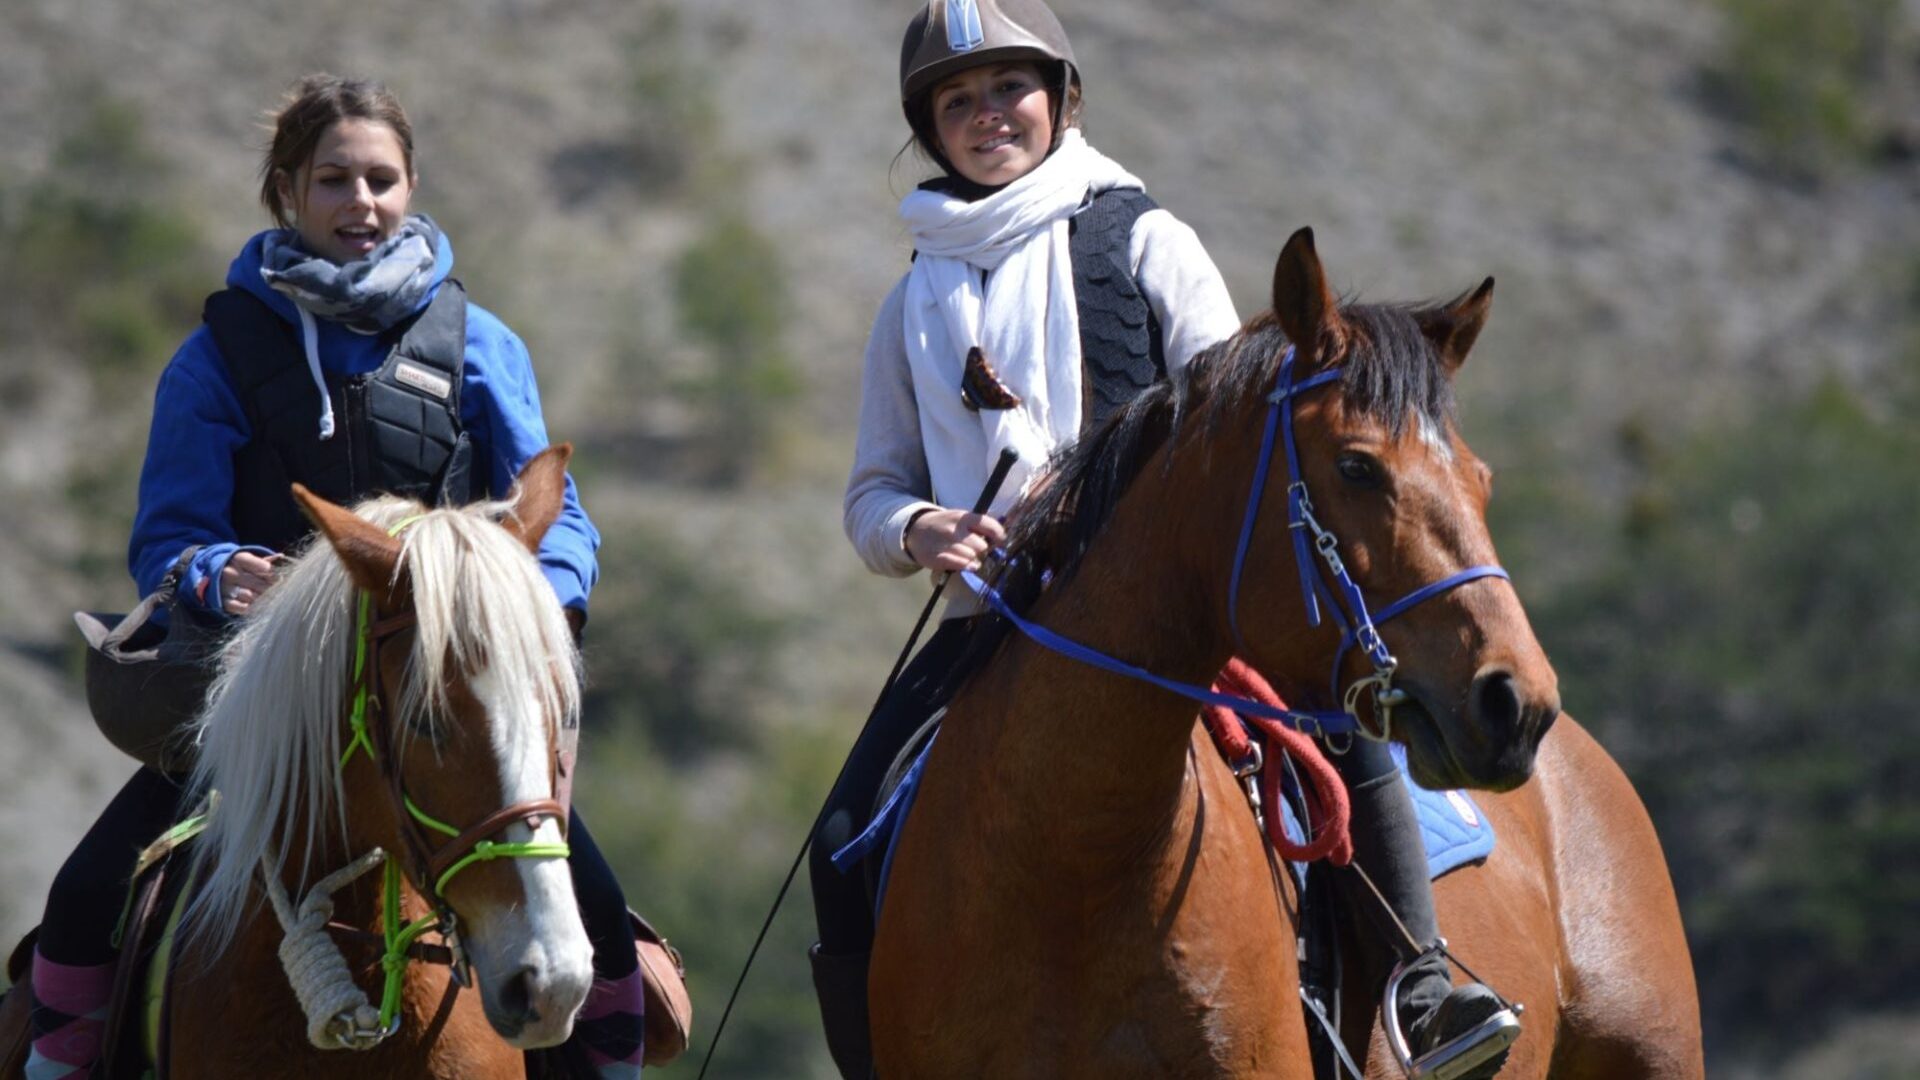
{"type": "Point", "coordinates": [1461, 1054]}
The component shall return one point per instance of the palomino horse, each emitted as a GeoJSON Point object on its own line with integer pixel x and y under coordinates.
{"type": "Point", "coordinates": [471, 685]}
{"type": "Point", "coordinates": [1080, 890]}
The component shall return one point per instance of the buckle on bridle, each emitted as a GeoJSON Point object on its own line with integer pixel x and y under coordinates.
{"type": "Point", "coordinates": [460, 964]}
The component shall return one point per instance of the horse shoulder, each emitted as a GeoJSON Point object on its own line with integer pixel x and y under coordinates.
{"type": "Point", "coordinates": [1631, 999]}
{"type": "Point", "coordinates": [1499, 918]}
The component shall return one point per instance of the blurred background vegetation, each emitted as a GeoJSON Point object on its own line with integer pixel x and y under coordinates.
{"type": "Point", "coordinates": [1700, 388]}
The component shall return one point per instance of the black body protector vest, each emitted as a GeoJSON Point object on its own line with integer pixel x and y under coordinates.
{"type": "Point", "coordinates": [396, 429]}
{"type": "Point", "coordinates": [1121, 352]}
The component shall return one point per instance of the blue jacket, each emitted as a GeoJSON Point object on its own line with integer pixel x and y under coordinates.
{"type": "Point", "coordinates": [187, 482]}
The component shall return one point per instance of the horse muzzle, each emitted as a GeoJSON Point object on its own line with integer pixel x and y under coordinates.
{"type": "Point", "coordinates": [533, 971]}
{"type": "Point", "coordinates": [1489, 741]}
{"type": "Point", "coordinates": [533, 1004]}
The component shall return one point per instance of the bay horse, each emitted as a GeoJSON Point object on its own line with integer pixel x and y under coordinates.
{"type": "Point", "coordinates": [1080, 889]}
{"type": "Point", "coordinates": [472, 684]}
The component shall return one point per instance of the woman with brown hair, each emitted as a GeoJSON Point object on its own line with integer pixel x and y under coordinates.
{"type": "Point", "coordinates": [341, 355]}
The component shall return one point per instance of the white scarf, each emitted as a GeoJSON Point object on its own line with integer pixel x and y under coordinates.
{"type": "Point", "coordinates": [1024, 319]}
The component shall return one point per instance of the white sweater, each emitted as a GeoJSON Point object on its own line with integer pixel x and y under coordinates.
{"type": "Point", "coordinates": [889, 481]}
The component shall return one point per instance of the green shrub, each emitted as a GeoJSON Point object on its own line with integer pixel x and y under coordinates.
{"type": "Point", "coordinates": [732, 300]}
{"type": "Point", "coordinates": [702, 854]}
{"type": "Point", "coordinates": [1798, 72]}
{"type": "Point", "coordinates": [1745, 646]}
{"type": "Point", "coordinates": [673, 114]}
{"type": "Point", "coordinates": [104, 278]}
{"type": "Point", "coordinates": [674, 649]}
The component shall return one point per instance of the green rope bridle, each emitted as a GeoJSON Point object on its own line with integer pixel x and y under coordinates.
{"type": "Point", "coordinates": [473, 846]}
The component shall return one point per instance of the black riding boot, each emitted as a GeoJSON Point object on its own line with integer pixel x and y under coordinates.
{"type": "Point", "coordinates": [840, 982]}
{"type": "Point", "coordinates": [1387, 845]}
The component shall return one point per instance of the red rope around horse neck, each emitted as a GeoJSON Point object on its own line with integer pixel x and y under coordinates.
{"type": "Point", "coordinates": [1326, 794]}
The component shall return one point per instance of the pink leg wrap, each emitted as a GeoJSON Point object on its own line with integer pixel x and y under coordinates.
{"type": "Point", "coordinates": [69, 1017]}
{"type": "Point", "coordinates": [609, 1025]}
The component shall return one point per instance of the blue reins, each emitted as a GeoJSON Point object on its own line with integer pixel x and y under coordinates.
{"type": "Point", "coordinates": [1316, 723]}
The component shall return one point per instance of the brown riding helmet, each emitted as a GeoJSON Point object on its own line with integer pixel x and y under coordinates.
{"type": "Point", "coordinates": [953, 35]}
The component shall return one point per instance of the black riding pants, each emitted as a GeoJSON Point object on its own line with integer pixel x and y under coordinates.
{"type": "Point", "coordinates": [840, 903]}
{"type": "Point", "coordinates": [603, 907]}
{"type": "Point", "coordinates": [85, 901]}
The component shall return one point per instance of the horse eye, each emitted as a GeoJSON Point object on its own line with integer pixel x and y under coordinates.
{"type": "Point", "coordinates": [1359, 469]}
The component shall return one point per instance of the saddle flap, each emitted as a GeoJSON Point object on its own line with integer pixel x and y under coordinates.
{"type": "Point", "coordinates": [669, 1008]}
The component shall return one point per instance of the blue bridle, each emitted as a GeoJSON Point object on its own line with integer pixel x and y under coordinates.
{"type": "Point", "coordinates": [1358, 626]}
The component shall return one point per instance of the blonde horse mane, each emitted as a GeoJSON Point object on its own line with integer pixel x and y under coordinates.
{"type": "Point", "coordinates": [272, 733]}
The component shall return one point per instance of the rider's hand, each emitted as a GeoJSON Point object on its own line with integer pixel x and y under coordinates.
{"type": "Point", "coordinates": [952, 539]}
{"type": "Point", "coordinates": [244, 578]}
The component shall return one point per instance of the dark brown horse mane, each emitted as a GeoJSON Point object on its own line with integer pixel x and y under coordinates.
{"type": "Point", "coordinates": [1393, 374]}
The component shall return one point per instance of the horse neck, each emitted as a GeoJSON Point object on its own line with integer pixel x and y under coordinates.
{"type": "Point", "coordinates": [358, 903]}
{"type": "Point", "coordinates": [245, 990]}
{"type": "Point", "coordinates": [1090, 763]}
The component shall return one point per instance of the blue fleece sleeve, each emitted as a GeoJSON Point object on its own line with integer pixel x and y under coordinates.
{"type": "Point", "coordinates": [186, 483]}
{"type": "Point", "coordinates": [500, 406]}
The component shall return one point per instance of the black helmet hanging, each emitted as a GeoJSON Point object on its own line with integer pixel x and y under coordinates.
{"type": "Point", "coordinates": [953, 35]}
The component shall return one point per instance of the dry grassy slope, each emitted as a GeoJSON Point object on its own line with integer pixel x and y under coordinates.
{"type": "Point", "coordinates": [1558, 145]}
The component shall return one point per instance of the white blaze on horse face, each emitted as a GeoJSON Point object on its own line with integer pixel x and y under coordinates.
{"type": "Point", "coordinates": [544, 937]}
{"type": "Point", "coordinates": [1436, 438]}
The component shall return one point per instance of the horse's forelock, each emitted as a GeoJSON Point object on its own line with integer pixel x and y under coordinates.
{"type": "Point", "coordinates": [482, 603]}
{"type": "Point", "coordinates": [1393, 372]}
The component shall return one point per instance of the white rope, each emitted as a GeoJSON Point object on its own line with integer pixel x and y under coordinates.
{"type": "Point", "coordinates": [339, 1017]}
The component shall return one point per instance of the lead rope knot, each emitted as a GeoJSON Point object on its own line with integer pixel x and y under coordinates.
{"type": "Point", "coordinates": [339, 1016]}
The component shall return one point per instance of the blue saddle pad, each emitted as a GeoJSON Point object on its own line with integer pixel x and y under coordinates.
{"type": "Point", "coordinates": [885, 826]}
{"type": "Point", "coordinates": [1455, 831]}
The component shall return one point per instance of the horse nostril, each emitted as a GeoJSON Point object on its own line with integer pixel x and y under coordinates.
{"type": "Point", "coordinates": [516, 997]}
{"type": "Point", "coordinates": [1496, 704]}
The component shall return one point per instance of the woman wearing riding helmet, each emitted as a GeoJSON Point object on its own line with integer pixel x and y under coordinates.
{"type": "Point", "coordinates": [341, 356]}
{"type": "Point", "coordinates": [1047, 288]}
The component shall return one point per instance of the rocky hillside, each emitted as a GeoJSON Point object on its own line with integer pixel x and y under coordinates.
{"type": "Point", "coordinates": [687, 210]}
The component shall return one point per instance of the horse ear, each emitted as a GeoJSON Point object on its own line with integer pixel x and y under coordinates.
{"type": "Point", "coordinates": [543, 491]}
{"type": "Point", "coordinates": [1454, 328]}
{"type": "Point", "coordinates": [1309, 313]}
{"type": "Point", "coordinates": [370, 555]}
